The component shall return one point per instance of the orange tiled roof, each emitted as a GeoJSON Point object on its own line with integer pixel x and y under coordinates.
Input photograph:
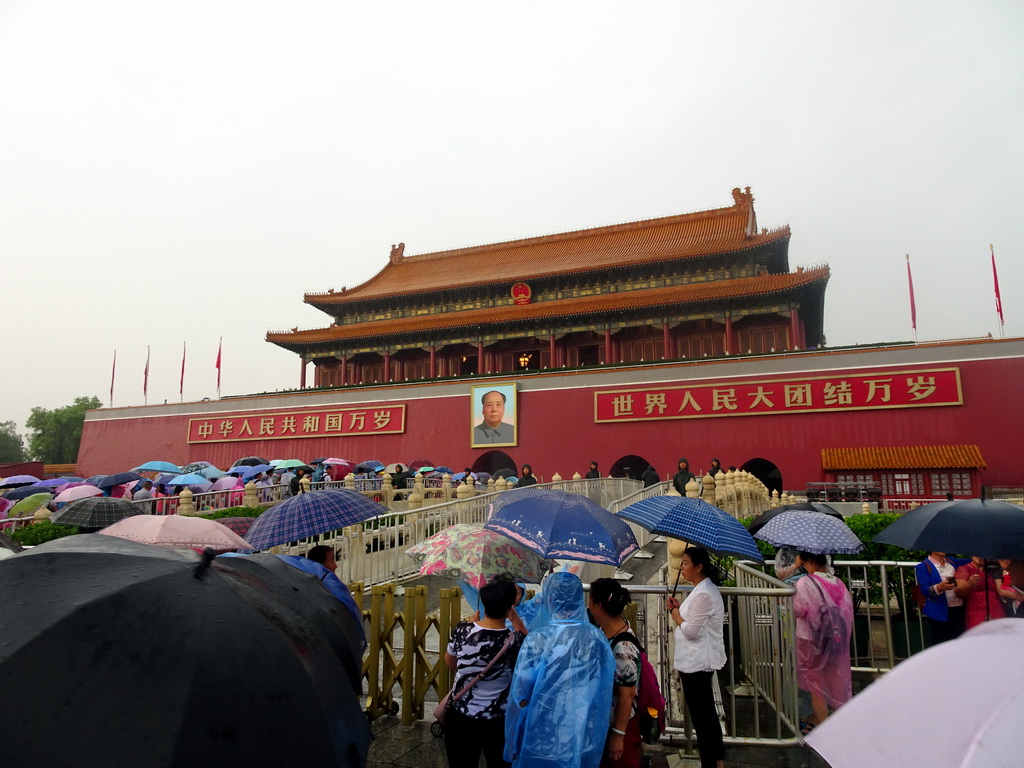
{"type": "Point", "coordinates": [903, 457]}
{"type": "Point", "coordinates": [691, 234]}
{"type": "Point", "coordinates": [711, 290]}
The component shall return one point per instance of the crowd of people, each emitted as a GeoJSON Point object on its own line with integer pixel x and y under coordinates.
{"type": "Point", "coordinates": [555, 680]}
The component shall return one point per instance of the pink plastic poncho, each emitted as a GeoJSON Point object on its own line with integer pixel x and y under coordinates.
{"type": "Point", "coordinates": [820, 668]}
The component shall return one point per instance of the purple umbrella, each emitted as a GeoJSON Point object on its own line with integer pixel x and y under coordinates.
{"type": "Point", "coordinates": [53, 482]}
{"type": "Point", "coordinates": [14, 480]}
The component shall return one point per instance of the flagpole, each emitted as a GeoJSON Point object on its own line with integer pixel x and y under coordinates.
{"type": "Point", "coordinates": [145, 380]}
{"type": "Point", "coordinates": [113, 370]}
{"type": "Point", "coordinates": [913, 305]}
{"type": "Point", "coordinates": [995, 285]}
{"type": "Point", "coordinates": [220, 346]}
{"type": "Point", "coordinates": [181, 383]}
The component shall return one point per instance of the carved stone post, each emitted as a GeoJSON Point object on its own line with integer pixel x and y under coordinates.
{"type": "Point", "coordinates": [185, 506]}
{"type": "Point", "coordinates": [775, 500]}
{"type": "Point", "coordinates": [446, 486]}
{"type": "Point", "coordinates": [708, 488]}
{"type": "Point", "coordinates": [388, 489]}
{"type": "Point", "coordinates": [692, 489]}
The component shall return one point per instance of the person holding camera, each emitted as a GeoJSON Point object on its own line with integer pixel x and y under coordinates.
{"type": "Point", "coordinates": [942, 607]}
{"type": "Point", "coordinates": [979, 591]}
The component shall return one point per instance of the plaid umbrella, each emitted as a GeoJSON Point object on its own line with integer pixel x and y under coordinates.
{"type": "Point", "coordinates": [695, 521]}
{"type": "Point", "coordinates": [310, 514]}
{"type": "Point", "coordinates": [239, 525]}
{"type": "Point", "coordinates": [818, 534]}
{"type": "Point", "coordinates": [474, 555]}
{"type": "Point", "coordinates": [95, 512]}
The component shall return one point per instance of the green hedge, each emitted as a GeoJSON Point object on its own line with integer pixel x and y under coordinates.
{"type": "Point", "coordinates": [42, 532]}
{"type": "Point", "coordinates": [233, 512]}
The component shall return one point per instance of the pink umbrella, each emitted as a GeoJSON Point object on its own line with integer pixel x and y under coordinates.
{"type": "Point", "coordinates": [226, 483]}
{"type": "Point", "coordinates": [177, 532]}
{"type": "Point", "coordinates": [78, 491]}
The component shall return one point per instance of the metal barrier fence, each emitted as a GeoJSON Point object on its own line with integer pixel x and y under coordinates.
{"type": "Point", "coordinates": [405, 657]}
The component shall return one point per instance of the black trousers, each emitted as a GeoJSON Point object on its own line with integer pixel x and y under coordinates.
{"type": "Point", "coordinates": [950, 629]}
{"type": "Point", "coordinates": [700, 700]}
{"type": "Point", "coordinates": [466, 737]}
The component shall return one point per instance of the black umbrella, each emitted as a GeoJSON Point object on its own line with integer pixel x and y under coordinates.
{"type": "Point", "coordinates": [157, 660]}
{"type": "Point", "coordinates": [250, 461]}
{"type": "Point", "coordinates": [25, 491]}
{"type": "Point", "coordinates": [506, 473]}
{"type": "Point", "coordinates": [95, 512]}
{"type": "Point", "coordinates": [305, 594]}
{"type": "Point", "coordinates": [120, 478]}
{"type": "Point", "coordinates": [806, 506]}
{"type": "Point", "coordinates": [980, 527]}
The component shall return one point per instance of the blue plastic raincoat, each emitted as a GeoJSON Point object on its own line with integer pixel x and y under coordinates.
{"type": "Point", "coordinates": [561, 691]}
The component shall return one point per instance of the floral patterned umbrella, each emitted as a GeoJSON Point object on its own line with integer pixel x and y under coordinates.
{"type": "Point", "coordinates": [471, 554]}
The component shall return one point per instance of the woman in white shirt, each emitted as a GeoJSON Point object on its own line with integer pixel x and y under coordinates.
{"type": "Point", "coordinates": [700, 651]}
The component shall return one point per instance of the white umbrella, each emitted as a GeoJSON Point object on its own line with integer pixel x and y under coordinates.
{"type": "Point", "coordinates": [959, 704]}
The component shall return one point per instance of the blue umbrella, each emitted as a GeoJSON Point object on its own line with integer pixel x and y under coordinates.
{"type": "Point", "coordinates": [695, 521]}
{"type": "Point", "coordinates": [310, 514]}
{"type": "Point", "coordinates": [158, 466]}
{"type": "Point", "coordinates": [210, 472]}
{"type": "Point", "coordinates": [25, 491]}
{"type": "Point", "coordinates": [247, 472]}
{"type": "Point", "coordinates": [119, 478]}
{"type": "Point", "coordinates": [814, 533]}
{"type": "Point", "coordinates": [556, 524]}
{"type": "Point", "coordinates": [190, 479]}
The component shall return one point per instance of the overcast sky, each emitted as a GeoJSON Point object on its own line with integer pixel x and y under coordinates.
{"type": "Point", "coordinates": [180, 172]}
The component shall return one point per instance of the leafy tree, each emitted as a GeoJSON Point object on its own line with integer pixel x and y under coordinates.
{"type": "Point", "coordinates": [12, 447]}
{"type": "Point", "coordinates": [56, 434]}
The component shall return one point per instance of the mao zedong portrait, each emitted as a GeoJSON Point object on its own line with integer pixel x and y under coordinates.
{"type": "Point", "coordinates": [493, 429]}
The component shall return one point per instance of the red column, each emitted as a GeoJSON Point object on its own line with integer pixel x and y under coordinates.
{"type": "Point", "coordinates": [607, 345]}
{"type": "Point", "coordinates": [730, 338]}
{"type": "Point", "coordinates": [387, 366]}
{"type": "Point", "coordinates": [666, 342]}
{"type": "Point", "coordinates": [480, 357]}
{"type": "Point", "coordinates": [302, 373]}
{"type": "Point", "coordinates": [794, 330]}
{"type": "Point", "coordinates": [551, 351]}
{"type": "Point", "coordinates": [433, 362]}
{"type": "Point", "coordinates": [344, 370]}
{"type": "Point", "coordinates": [356, 374]}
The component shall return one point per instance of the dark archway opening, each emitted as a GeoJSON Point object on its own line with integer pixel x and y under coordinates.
{"type": "Point", "coordinates": [492, 461]}
{"type": "Point", "coordinates": [633, 463]}
{"type": "Point", "coordinates": [766, 472]}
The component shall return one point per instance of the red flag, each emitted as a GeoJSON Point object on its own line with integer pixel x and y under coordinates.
{"type": "Point", "coordinates": [145, 375]}
{"type": "Point", "coordinates": [220, 344]}
{"type": "Point", "coordinates": [181, 384]}
{"type": "Point", "coordinates": [913, 306]}
{"type": "Point", "coordinates": [113, 370]}
{"type": "Point", "coordinates": [995, 282]}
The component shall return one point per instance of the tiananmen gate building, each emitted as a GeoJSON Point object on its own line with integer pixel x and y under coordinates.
{"type": "Point", "coordinates": [632, 344]}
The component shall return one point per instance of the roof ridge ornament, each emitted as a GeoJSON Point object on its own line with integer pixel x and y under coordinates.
{"type": "Point", "coordinates": [397, 252]}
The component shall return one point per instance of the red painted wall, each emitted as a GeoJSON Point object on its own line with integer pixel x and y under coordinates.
{"type": "Point", "coordinates": [557, 432]}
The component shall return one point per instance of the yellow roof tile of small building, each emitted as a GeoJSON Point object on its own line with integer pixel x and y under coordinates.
{"type": "Point", "coordinates": [903, 457]}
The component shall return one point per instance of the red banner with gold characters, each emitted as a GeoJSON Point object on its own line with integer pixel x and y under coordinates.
{"type": "Point", "coordinates": [337, 422]}
{"type": "Point", "coordinates": [838, 392]}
